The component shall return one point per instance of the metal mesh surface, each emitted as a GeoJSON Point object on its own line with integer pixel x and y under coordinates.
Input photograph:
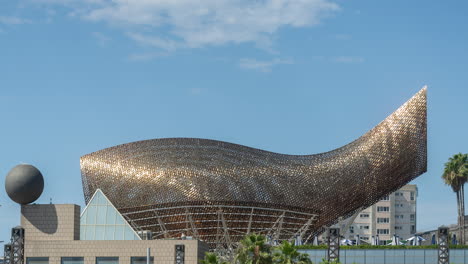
{"type": "Point", "coordinates": [218, 191]}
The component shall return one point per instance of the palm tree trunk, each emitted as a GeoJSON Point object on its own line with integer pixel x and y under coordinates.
{"type": "Point", "coordinates": [462, 198]}
{"type": "Point", "coordinates": [256, 255]}
{"type": "Point", "coordinates": [458, 215]}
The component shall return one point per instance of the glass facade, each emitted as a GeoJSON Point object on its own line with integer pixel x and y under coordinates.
{"type": "Point", "coordinates": [382, 231]}
{"type": "Point", "coordinates": [107, 260]}
{"type": "Point", "coordinates": [374, 256]}
{"type": "Point", "coordinates": [80, 260]}
{"type": "Point", "coordinates": [72, 260]}
{"type": "Point", "coordinates": [140, 260]}
{"type": "Point", "coordinates": [383, 220]}
{"type": "Point", "coordinates": [37, 260]}
{"type": "Point", "coordinates": [101, 221]}
{"type": "Point", "coordinates": [383, 209]}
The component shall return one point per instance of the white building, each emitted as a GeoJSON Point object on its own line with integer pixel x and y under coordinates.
{"type": "Point", "coordinates": [395, 214]}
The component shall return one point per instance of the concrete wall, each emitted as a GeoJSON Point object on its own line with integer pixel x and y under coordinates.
{"type": "Point", "coordinates": [163, 251]}
{"type": "Point", "coordinates": [453, 230]}
{"type": "Point", "coordinates": [53, 231]}
{"type": "Point", "coordinates": [399, 205]}
{"type": "Point", "coordinates": [51, 221]}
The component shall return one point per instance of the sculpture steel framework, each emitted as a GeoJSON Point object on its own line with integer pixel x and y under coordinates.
{"type": "Point", "coordinates": [14, 251]}
{"type": "Point", "coordinates": [333, 243]}
{"type": "Point", "coordinates": [218, 191]}
{"type": "Point", "coordinates": [443, 256]}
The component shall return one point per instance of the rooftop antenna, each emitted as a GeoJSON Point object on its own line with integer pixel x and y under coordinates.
{"type": "Point", "coordinates": [50, 200]}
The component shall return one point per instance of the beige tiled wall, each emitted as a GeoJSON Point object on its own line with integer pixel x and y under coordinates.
{"type": "Point", "coordinates": [51, 221]}
{"type": "Point", "coordinates": [163, 251]}
{"type": "Point", "coordinates": [53, 230]}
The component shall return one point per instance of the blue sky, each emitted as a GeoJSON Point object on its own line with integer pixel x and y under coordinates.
{"type": "Point", "coordinates": [295, 77]}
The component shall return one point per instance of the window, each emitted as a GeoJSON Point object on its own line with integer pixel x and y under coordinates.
{"type": "Point", "coordinates": [398, 228]}
{"type": "Point", "coordinates": [412, 217]}
{"type": "Point", "coordinates": [383, 220]}
{"type": "Point", "coordinates": [140, 260]}
{"type": "Point", "coordinates": [364, 227]}
{"type": "Point", "coordinates": [364, 215]}
{"type": "Point", "coordinates": [382, 231]}
{"type": "Point", "coordinates": [398, 194]}
{"type": "Point", "coordinates": [385, 198]}
{"type": "Point", "coordinates": [383, 209]}
{"type": "Point", "coordinates": [412, 196]}
{"type": "Point", "coordinates": [37, 260]}
{"type": "Point", "coordinates": [398, 205]}
{"type": "Point", "coordinates": [107, 260]}
{"type": "Point", "coordinates": [72, 260]}
{"type": "Point", "coordinates": [351, 229]}
{"type": "Point", "coordinates": [399, 216]}
{"type": "Point", "coordinates": [365, 238]}
{"type": "Point", "coordinates": [413, 229]}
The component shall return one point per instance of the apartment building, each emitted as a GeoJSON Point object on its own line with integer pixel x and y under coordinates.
{"type": "Point", "coordinates": [393, 214]}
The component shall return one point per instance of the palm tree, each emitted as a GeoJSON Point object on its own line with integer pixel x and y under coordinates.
{"type": "Point", "coordinates": [253, 249]}
{"type": "Point", "coordinates": [286, 253]}
{"type": "Point", "coordinates": [212, 258]}
{"type": "Point", "coordinates": [456, 175]}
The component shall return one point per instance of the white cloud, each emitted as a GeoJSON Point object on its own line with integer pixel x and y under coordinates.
{"type": "Point", "coordinates": [172, 24]}
{"type": "Point", "coordinates": [12, 20]}
{"type": "Point", "coordinates": [101, 38]}
{"type": "Point", "coordinates": [50, 14]}
{"type": "Point", "coordinates": [348, 59]}
{"type": "Point", "coordinates": [166, 44]}
{"type": "Point", "coordinates": [148, 56]}
{"type": "Point", "coordinates": [263, 66]}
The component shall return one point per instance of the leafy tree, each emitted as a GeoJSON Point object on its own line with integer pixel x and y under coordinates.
{"type": "Point", "coordinates": [253, 249]}
{"type": "Point", "coordinates": [287, 253]}
{"type": "Point", "coordinates": [212, 258]}
{"type": "Point", "coordinates": [455, 175]}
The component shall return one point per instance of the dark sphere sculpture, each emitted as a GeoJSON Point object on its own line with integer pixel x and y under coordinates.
{"type": "Point", "coordinates": [24, 184]}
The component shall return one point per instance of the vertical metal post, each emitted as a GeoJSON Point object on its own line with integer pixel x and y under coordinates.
{"type": "Point", "coordinates": [344, 256]}
{"type": "Point", "coordinates": [424, 256]}
{"type": "Point", "coordinates": [333, 244]}
{"type": "Point", "coordinates": [17, 245]}
{"type": "Point", "coordinates": [443, 249]}
{"type": "Point", "coordinates": [148, 256]}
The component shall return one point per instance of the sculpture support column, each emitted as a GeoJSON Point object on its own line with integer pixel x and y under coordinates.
{"type": "Point", "coordinates": [7, 254]}
{"type": "Point", "coordinates": [333, 244]}
{"type": "Point", "coordinates": [443, 249]}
